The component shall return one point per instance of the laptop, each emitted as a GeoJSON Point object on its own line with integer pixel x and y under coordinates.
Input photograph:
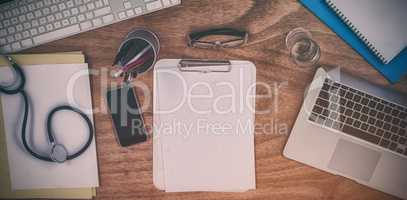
{"type": "Point", "coordinates": [353, 128]}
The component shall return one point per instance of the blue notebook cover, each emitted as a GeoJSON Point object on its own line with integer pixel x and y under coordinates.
{"type": "Point", "coordinates": [394, 71]}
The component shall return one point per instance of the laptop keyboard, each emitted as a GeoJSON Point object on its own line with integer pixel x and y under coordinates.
{"type": "Point", "coordinates": [361, 115]}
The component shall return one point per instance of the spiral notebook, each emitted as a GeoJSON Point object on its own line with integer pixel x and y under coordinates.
{"type": "Point", "coordinates": [379, 24]}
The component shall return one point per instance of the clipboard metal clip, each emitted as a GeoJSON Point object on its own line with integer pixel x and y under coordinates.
{"type": "Point", "coordinates": [204, 66]}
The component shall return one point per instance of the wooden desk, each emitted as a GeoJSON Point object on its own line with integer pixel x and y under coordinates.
{"type": "Point", "coordinates": [127, 173]}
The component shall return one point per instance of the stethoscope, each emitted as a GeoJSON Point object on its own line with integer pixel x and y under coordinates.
{"type": "Point", "coordinates": [58, 151]}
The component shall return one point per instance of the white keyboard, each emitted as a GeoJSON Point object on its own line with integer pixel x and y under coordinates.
{"type": "Point", "coordinates": [29, 23]}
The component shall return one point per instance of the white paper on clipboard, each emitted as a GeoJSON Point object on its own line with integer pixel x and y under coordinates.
{"type": "Point", "coordinates": [204, 128]}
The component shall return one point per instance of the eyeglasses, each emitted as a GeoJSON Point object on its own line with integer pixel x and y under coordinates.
{"type": "Point", "coordinates": [218, 38]}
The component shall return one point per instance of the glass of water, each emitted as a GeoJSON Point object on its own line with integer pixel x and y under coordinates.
{"type": "Point", "coordinates": [303, 49]}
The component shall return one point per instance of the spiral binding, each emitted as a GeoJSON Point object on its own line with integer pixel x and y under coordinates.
{"type": "Point", "coordinates": [356, 31]}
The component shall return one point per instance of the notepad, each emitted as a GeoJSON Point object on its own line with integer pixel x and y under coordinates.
{"type": "Point", "coordinates": [204, 128]}
{"type": "Point", "coordinates": [5, 184]}
{"type": "Point", "coordinates": [51, 85]}
{"type": "Point", "coordinates": [380, 24]}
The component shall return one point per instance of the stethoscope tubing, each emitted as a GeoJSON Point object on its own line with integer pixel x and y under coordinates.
{"type": "Point", "coordinates": [20, 90]}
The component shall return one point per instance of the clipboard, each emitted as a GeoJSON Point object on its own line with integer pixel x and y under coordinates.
{"type": "Point", "coordinates": [181, 163]}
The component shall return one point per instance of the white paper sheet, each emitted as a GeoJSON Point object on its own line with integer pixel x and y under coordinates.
{"type": "Point", "coordinates": [49, 86]}
{"type": "Point", "coordinates": [195, 150]}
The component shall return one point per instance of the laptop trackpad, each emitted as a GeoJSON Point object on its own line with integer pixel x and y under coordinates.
{"type": "Point", "coordinates": [354, 160]}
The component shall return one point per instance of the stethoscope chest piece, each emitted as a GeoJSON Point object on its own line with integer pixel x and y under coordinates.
{"type": "Point", "coordinates": [58, 153]}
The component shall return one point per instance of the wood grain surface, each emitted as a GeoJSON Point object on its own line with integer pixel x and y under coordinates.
{"type": "Point", "coordinates": [126, 173]}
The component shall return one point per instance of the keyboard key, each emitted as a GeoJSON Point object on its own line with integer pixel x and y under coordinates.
{"type": "Point", "coordinates": [3, 32]}
{"type": "Point", "coordinates": [18, 36]}
{"type": "Point", "coordinates": [61, 6]}
{"type": "Point", "coordinates": [364, 127]}
{"type": "Point", "coordinates": [365, 101]}
{"type": "Point", "coordinates": [82, 8]}
{"type": "Point", "coordinates": [387, 135]}
{"type": "Point", "coordinates": [99, 3]}
{"type": "Point", "coordinates": [321, 119]}
{"type": "Point", "coordinates": [130, 13]}
{"type": "Point", "coordinates": [348, 112]}
{"type": "Point", "coordinates": [394, 138]}
{"type": "Point", "coordinates": [386, 126]}
{"type": "Point", "coordinates": [66, 13]}
{"type": "Point", "coordinates": [322, 94]}
{"type": "Point", "coordinates": [73, 20]}
{"type": "Point", "coordinates": [349, 121]}
{"type": "Point", "coordinates": [57, 25]}
{"type": "Point", "coordinates": [384, 143]}
{"type": "Point", "coordinates": [399, 150]}
{"type": "Point", "coordinates": [325, 113]}
{"type": "Point", "coordinates": [122, 15]}
{"type": "Point", "coordinates": [97, 22]}
{"type": "Point", "coordinates": [127, 5]}
{"type": "Point", "coordinates": [108, 19]}
{"type": "Point", "coordinates": [41, 29]}
{"type": "Point", "coordinates": [57, 34]}
{"type": "Point", "coordinates": [387, 110]}
{"type": "Point", "coordinates": [402, 140]}
{"type": "Point", "coordinates": [380, 107]}
{"type": "Point", "coordinates": [349, 95]}
{"type": "Point", "coordinates": [90, 6]}
{"type": "Point", "coordinates": [388, 118]}
{"type": "Point", "coordinates": [329, 122]}
{"type": "Point", "coordinates": [393, 146]}
{"type": "Point", "coordinates": [37, 14]}
{"type": "Point", "coordinates": [27, 43]}
{"type": "Point", "coordinates": [22, 18]}
{"type": "Point", "coordinates": [403, 124]}
{"type": "Point", "coordinates": [58, 16]}
{"type": "Point", "coordinates": [3, 41]}
{"type": "Point", "coordinates": [313, 117]}
{"type": "Point", "coordinates": [74, 11]}
{"type": "Point", "coordinates": [357, 124]}
{"type": "Point", "coordinates": [337, 126]}
{"type": "Point", "coordinates": [334, 115]}
{"type": "Point", "coordinates": [396, 121]}
{"type": "Point", "coordinates": [322, 103]}
{"type": "Point", "coordinates": [26, 34]}
{"type": "Point", "coordinates": [154, 5]}
{"type": "Point", "coordinates": [380, 116]}
{"type": "Point", "coordinates": [69, 4]}
{"type": "Point", "coordinates": [102, 11]}
{"type": "Point", "coordinates": [166, 3]}
{"type": "Point", "coordinates": [379, 132]}
{"type": "Point", "coordinates": [86, 25]}
{"type": "Point", "coordinates": [46, 11]}
{"type": "Point", "coordinates": [360, 134]}
{"type": "Point", "coordinates": [371, 121]}
{"type": "Point", "coordinates": [54, 8]}
{"type": "Point", "coordinates": [356, 115]}
{"type": "Point", "coordinates": [49, 27]}
{"type": "Point", "coordinates": [325, 87]}
{"type": "Point", "coordinates": [11, 30]}
{"type": "Point", "coordinates": [10, 39]}
{"type": "Point", "coordinates": [16, 46]}
{"type": "Point", "coordinates": [89, 15]}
